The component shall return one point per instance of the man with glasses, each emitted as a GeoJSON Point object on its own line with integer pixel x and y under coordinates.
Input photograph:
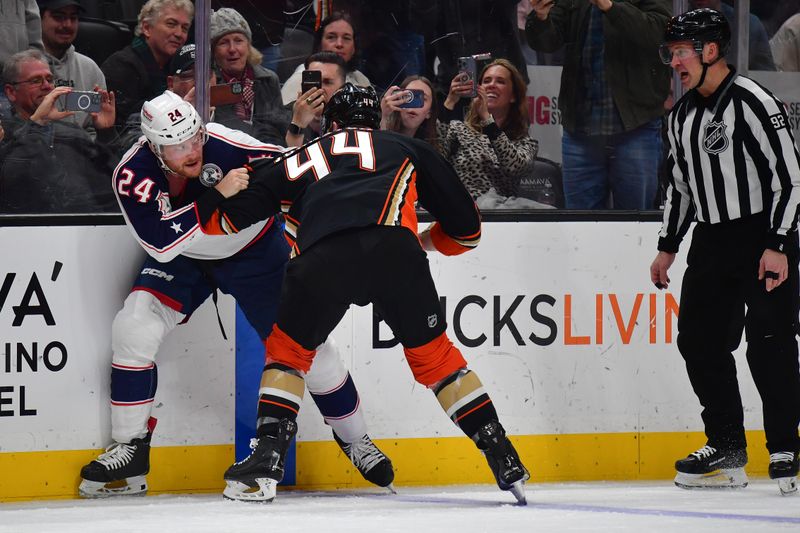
{"type": "Point", "coordinates": [70, 68]}
{"type": "Point", "coordinates": [169, 181]}
{"type": "Point", "coordinates": [734, 168]}
{"type": "Point", "coordinates": [47, 164]}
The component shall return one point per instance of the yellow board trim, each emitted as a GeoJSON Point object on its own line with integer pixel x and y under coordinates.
{"type": "Point", "coordinates": [431, 461]}
{"type": "Point", "coordinates": [54, 475]}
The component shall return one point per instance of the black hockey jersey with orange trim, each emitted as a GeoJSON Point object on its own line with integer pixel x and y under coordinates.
{"type": "Point", "coordinates": [350, 179]}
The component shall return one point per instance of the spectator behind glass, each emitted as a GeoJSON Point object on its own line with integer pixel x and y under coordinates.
{"type": "Point", "coordinates": [307, 109]}
{"type": "Point", "coordinates": [260, 113]}
{"type": "Point", "coordinates": [138, 72]}
{"type": "Point", "coordinates": [760, 55]}
{"type": "Point", "coordinates": [336, 34]}
{"type": "Point", "coordinates": [49, 165]}
{"type": "Point", "coordinates": [20, 27]}
{"type": "Point", "coordinates": [70, 68]}
{"type": "Point", "coordinates": [785, 45]}
{"type": "Point", "coordinates": [417, 122]}
{"type": "Point", "coordinates": [458, 28]}
{"type": "Point", "coordinates": [611, 145]}
{"type": "Point", "coordinates": [491, 147]}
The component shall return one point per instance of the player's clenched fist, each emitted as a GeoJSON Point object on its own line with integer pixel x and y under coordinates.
{"type": "Point", "coordinates": [234, 181]}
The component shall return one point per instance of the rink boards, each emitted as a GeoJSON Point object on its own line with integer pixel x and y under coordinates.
{"type": "Point", "coordinates": [575, 346]}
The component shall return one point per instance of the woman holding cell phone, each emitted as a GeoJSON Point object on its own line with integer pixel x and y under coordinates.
{"type": "Point", "coordinates": [411, 109]}
{"type": "Point", "coordinates": [490, 147]}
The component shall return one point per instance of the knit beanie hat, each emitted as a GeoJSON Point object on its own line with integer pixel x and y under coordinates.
{"type": "Point", "coordinates": [225, 21]}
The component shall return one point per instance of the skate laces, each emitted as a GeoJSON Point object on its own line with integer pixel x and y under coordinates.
{"type": "Point", "coordinates": [118, 454]}
{"type": "Point", "coordinates": [363, 453]}
{"type": "Point", "coordinates": [705, 452]}
{"type": "Point", "coordinates": [781, 456]}
{"type": "Point", "coordinates": [253, 446]}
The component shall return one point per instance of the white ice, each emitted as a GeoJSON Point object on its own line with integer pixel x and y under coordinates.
{"type": "Point", "coordinates": [617, 507]}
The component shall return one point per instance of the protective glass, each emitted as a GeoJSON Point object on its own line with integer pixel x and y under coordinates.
{"type": "Point", "coordinates": [682, 53]}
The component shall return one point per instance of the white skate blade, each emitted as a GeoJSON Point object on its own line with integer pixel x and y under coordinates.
{"type": "Point", "coordinates": [390, 488]}
{"type": "Point", "coordinates": [132, 486]}
{"type": "Point", "coordinates": [726, 478]}
{"type": "Point", "coordinates": [788, 485]}
{"type": "Point", "coordinates": [264, 493]}
{"type": "Point", "coordinates": [518, 490]}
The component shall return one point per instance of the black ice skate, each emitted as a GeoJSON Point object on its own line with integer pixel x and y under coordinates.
{"type": "Point", "coordinates": [783, 466]}
{"type": "Point", "coordinates": [508, 470]}
{"type": "Point", "coordinates": [255, 479]}
{"type": "Point", "coordinates": [374, 466]}
{"type": "Point", "coordinates": [120, 470]}
{"type": "Point", "coordinates": [712, 468]}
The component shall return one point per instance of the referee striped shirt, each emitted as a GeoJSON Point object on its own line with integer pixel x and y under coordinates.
{"type": "Point", "coordinates": [732, 154]}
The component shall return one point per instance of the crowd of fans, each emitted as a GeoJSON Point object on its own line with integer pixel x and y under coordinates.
{"type": "Point", "coordinates": [57, 158]}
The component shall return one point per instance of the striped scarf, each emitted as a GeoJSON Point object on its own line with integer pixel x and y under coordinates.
{"type": "Point", "coordinates": [244, 109]}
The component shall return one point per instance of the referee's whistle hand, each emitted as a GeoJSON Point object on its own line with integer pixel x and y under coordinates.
{"type": "Point", "coordinates": [773, 267]}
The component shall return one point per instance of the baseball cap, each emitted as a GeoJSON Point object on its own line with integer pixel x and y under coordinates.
{"type": "Point", "coordinates": [182, 61]}
{"type": "Point", "coordinates": [58, 4]}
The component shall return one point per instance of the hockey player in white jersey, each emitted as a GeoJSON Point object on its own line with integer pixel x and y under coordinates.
{"type": "Point", "coordinates": [172, 177]}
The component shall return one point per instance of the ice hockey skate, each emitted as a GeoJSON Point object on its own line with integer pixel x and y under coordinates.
{"type": "Point", "coordinates": [783, 466]}
{"type": "Point", "coordinates": [374, 466]}
{"type": "Point", "coordinates": [508, 470]}
{"type": "Point", "coordinates": [712, 468]}
{"type": "Point", "coordinates": [120, 470]}
{"type": "Point", "coordinates": [256, 477]}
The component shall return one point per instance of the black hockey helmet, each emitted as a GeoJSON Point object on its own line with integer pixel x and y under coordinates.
{"type": "Point", "coordinates": [699, 26]}
{"type": "Point", "coordinates": [353, 106]}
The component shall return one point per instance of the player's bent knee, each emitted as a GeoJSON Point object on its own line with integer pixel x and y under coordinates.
{"type": "Point", "coordinates": [327, 371]}
{"type": "Point", "coordinates": [282, 349]}
{"type": "Point", "coordinates": [434, 361]}
{"type": "Point", "coordinates": [140, 327]}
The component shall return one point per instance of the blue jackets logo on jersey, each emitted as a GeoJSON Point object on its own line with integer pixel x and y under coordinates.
{"type": "Point", "coordinates": [715, 140]}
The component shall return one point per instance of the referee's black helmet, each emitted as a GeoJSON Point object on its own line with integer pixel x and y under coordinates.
{"type": "Point", "coordinates": [353, 105]}
{"type": "Point", "coordinates": [700, 26]}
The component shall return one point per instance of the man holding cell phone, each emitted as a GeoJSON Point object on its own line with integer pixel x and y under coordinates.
{"type": "Point", "coordinates": [324, 74]}
{"type": "Point", "coordinates": [47, 164]}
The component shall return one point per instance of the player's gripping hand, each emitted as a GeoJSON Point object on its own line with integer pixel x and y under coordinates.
{"type": "Point", "coordinates": [234, 181]}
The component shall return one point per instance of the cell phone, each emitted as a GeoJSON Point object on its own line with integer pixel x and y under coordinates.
{"type": "Point", "coordinates": [312, 79]}
{"type": "Point", "coordinates": [226, 94]}
{"type": "Point", "coordinates": [86, 101]}
{"type": "Point", "coordinates": [468, 67]}
{"type": "Point", "coordinates": [413, 98]}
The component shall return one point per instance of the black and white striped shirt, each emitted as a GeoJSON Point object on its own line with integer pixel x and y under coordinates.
{"type": "Point", "coordinates": [732, 155]}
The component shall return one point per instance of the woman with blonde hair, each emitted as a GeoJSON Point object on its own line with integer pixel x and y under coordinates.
{"type": "Point", "coordinates": [260, 111]}
{"type": "Point", "coordinates": [490, 148]}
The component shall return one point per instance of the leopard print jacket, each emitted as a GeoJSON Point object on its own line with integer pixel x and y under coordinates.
{"type": "Point", "coordinates": [482, 163]}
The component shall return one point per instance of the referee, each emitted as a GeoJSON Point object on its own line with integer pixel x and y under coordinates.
{"type": "Point", "coordinates": [733, 166]}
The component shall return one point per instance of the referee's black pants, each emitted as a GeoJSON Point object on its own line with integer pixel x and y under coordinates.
{"type": "Point", "coordinates": [720, 296]}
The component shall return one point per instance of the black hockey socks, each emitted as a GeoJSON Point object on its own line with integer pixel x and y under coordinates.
{"type": "Point", "coordinates": [279, 397]}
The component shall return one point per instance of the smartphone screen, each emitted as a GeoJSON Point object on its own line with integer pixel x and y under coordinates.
{"type": "Point", "coordinates": [312, 79]}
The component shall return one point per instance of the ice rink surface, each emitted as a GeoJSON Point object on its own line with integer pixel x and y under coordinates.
{"type": "Point", "coordinates": [617, 507]}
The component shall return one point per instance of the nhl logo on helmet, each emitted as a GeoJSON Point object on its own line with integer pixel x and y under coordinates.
{"type": "Point", "coordinates": [210, 175]}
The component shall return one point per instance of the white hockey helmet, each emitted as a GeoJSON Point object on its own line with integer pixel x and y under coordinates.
{"type": "Point", "coordinates": [168, 119]}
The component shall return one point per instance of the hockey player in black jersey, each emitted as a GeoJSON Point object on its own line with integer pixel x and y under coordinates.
{"type": "Point", "coordinates": [349, 202]}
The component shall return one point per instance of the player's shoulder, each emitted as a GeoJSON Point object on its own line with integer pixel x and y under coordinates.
{"type": "Point", "coordinates": [139, 159]}
{"type": "Point", "coordinates": [217, 133]}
